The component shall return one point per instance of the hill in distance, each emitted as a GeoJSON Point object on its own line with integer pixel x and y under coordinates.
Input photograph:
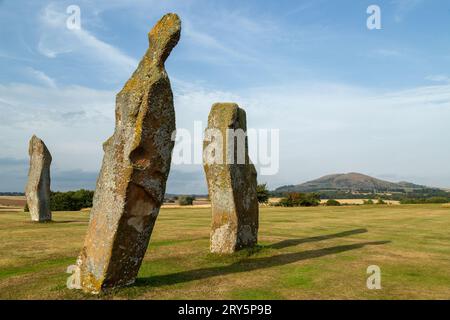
{"type": "Point", "coordinates": [355, 182]}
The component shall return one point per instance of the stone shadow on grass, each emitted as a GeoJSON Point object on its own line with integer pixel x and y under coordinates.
{"type": "Point", "coordinates": [68, 221]}
{"type": "Point", "coordinates": [56, 222]}
{"type": "Point", "coordinates": [294, 242]}
{"type": "Point", "coordinates": [247, 265]}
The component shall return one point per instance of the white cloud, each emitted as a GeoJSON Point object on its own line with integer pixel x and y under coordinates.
{"type": "Point", "coordinates": [303, 7]}
{"type": "Point", "coordinates": [327, 128]}
{"type": "Point", "coordinates": [217, 50]}
{"type": "Point", "coordinates": [73, 121]}
{"type": "Point", "coordinates": [41, 77]}
{"type": "Point", "coordinates": [324, 128]}
{"type": "Point", "coordinates": [438, 78]}
{"type": "Point", "coordinates": [56, 39]}
{"type": "Point", "coordinates": [225, 35]}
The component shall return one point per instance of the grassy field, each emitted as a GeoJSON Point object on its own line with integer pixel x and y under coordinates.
{"type": "Point", "coordinates": [304, 253]}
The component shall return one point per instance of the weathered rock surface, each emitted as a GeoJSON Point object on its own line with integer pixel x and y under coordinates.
{"type": "Point", "coordinates": [232, 184]}
{"type": "Point", "coordinates": [136, 164]}
{"type": "Point", "coordinates": [38, 187]}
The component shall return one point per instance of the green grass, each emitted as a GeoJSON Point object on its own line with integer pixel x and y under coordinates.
{"type": "Point", "coordinates": [304, 253]}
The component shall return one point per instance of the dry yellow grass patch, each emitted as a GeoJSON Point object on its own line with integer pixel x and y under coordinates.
{"type": "Point", "coordinates": [12, 201]}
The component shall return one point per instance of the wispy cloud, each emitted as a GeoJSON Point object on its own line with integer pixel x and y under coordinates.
{"type": "Point", "coordinates": [224, 35]}
{"type": "Point", "coordinates": [73, 120]}
{"type": "Point", "coordinates": [359, 126]}
{"type": "Point", "coordinates": [208, 48]}
{"type": "Point", "coordinates": [388, 52]}
{"type": "Point", "coordinates": [403, 7]}
{"type": "Point", "coordinates": [41, 76]}
{"type": "Point", "coordinates": [56, 39]}
{"type": "Point", "coordinates": [207, 41]}
{"type": "Point", "coordinates": [352, 123]}
{"type": "Point", "coordinates": [438, 78]}
{"type": "Point", "coordinates": [303, 7]}
{"type": "Point", "coordinates": [14, 172]}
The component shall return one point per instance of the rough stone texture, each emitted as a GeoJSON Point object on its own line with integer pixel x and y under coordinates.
{"type": "Point", "coordinates": [38, 187]}
{"type": "Point", "coordinates": [136, 164]}
{"type": "Point", "coordinates": [232, 187]}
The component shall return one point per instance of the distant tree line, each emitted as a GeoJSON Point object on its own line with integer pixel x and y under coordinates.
{"type": "Point", "coordinates": [262, 193]}
{"type": "Point", "coordinates": [77, 200]}
{"type": "Point", "coordinates": [425, 200]}
{"type": "Point", "coordinates": [296, 199]}
{"type": "Point", "coordinates": [12, 194]}
{"type": "Point", "coordinates": [186, 200]}
{"type": "Point", "coordinates": [421, 194]}
{"type": "Point", "coordinates": [426, 195]}
{"type": "Point", "coordinates": [69, 201]}
{"type": "Point", "coordinates": [332, 203]}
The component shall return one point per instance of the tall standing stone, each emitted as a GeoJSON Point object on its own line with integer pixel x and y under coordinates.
{"type": "Point", "coordinates": [38, 187]}
{"type": "Point", "coordinates": [136, 164]}
{"type": "Point", "coordinates": [231, 180]}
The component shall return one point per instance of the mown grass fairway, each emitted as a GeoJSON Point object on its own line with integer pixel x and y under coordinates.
{"type": "Point", "coordinates": [305, 253]}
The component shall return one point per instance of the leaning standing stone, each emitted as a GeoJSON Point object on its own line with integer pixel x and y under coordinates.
{"type": "Point", "coordinates": [231, 180]}
{"type": "Point", "coordinates": [38, 187]}
{"type": "Point", "coordinates": [136, 164]}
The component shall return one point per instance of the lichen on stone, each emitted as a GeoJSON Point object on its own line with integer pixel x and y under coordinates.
{"type": "Point", "coordinates": [38, 186]}
{"type": "Point", "coordinates": [232, 187]}
{"type": "Point", "coordinates": [131, 185]}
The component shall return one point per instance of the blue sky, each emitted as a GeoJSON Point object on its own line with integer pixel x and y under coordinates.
{"type": "Point", "coordinates": [345, 98]}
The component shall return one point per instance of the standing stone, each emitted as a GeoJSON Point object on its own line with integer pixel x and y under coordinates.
{"type": "Point", "coordinates": [38, 187]}
{"type": "Point", "coordinates": [231, 181]}
{"type": "Point", "coordinates": [136, 164]}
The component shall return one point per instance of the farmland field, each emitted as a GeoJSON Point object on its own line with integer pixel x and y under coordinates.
{"type": "Point", "coordinates": [304, 253]}
{"type": "Point", "coordinates": [12, 203]}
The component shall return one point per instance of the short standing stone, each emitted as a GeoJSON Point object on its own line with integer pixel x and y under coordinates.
{"type": "Point", "coordinates": [38, 186]}
{"type": "Point", "coordinates": [231, 181]}
{"type": "Point", "coordinates": [136, 164]}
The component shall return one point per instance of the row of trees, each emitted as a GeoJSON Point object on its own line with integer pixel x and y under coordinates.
{"type": "Point", "coordinates": [77, 200]}
{"type": "Point", "coordinates": [295, 199]}
{"type": "Point", "coordinates": [70, 201]}
{"type": "Point", "coordinates": [399, 195]}
{"type": "Point", "coordinates": [263, 195]}
{"type": "Point", "coordinates": [425, 200]}
{"type": "Point", "coordinates": [12, 194]}
{"type": "Point", "coordinates": [186, 200]}
{"type": "Point", "coordinates": [335, 203]}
